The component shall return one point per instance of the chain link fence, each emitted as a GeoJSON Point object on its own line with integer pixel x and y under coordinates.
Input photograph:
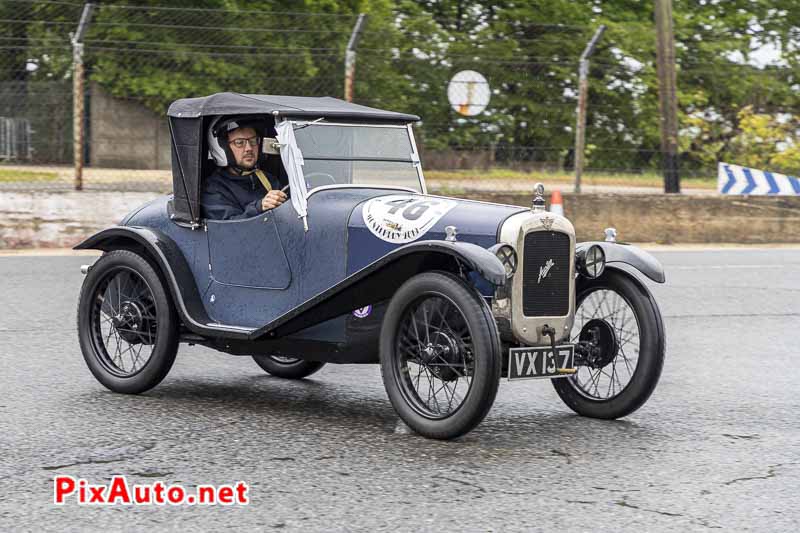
{"type": "Point", "coordinates": [139, 58]}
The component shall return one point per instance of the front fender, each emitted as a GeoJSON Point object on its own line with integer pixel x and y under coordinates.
{"type": "Point", "coordinates": [168, 258]}
{"type": "Point", "coordinates": [379, 280]}
{"type": "Point", "coordinates": [473, 256]}
{"type": "Point", "coordinates": [639, 259]}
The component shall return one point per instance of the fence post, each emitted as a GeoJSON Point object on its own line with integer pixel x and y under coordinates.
{"type": "Point", "coordinates": [667, 94]}
{"type": "Point", "coordinates": [583, 95]}
{"type": "Point", "coordinates": [350, 58]}
{"type": "Point", "coordinates": [78, 110]}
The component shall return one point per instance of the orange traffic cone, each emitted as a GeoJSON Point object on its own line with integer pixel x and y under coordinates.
{"type": "Point", "coordinates": [556, 203]}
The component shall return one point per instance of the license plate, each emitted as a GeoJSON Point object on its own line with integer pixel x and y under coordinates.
{"type": "Point", "coordinates": [528, 363]}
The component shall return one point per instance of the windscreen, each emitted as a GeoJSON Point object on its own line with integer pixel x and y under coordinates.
{"type": "Point", "coordinates": [352, 154]}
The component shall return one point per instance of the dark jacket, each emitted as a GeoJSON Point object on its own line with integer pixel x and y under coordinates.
{"type": "Point", "coordinates": [232, 197]}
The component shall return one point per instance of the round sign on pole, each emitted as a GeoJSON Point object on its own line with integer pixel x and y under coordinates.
{"type": "Point", "coordinates": [468, 93]}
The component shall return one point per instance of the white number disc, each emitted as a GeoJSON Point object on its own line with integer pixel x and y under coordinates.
{"type": "Point", "coordinates": [402, 218]}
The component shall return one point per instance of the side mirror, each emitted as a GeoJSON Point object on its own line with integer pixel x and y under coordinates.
{"type": "Point", "coordinates": [270, 146]}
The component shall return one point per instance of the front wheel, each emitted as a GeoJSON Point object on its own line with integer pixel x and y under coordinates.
{"type": "Point", "coordinates": [620, 316]}
{"type": "Point", "coordinates": [440, 355]}
{"type": "Point", "coordinates": [287, 367]}
{"type": "Point", "coordinates": [127, 326]}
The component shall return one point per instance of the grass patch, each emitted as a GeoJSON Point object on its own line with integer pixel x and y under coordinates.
{"type": "Point", "coordinates": [26, 175]}
{"type": "Point", "coordinates": [649, 179]}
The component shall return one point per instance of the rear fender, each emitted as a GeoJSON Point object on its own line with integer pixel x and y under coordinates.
{"type": "Point", "coordinates": [174, 270]}
{"type": "Point", "coordinates": [617, 253]}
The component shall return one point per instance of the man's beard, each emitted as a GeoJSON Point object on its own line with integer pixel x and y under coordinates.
{"type": "Point", "coordinates": [244, 164]}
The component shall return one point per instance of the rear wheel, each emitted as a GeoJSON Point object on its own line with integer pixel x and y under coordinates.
{"type": "Point", "coordinates": [620, 316]}
{"type": "Point", "coordinates": [127, 326]}
{"type": "Point", "coordinates": [287, 367]}
{"type": "Point", "coordinates": [440, 355]}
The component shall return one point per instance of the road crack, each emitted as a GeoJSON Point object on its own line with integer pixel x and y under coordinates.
{"type": "Point", "coordinates": [567, 456]}
{"type": "Point", "coordinates": [623, 503]}
{"type": "Point", "coordinates": [110, 456]}
{"type": "Point", "coordinates": [771, 473]}
{"type": "Point", "coordinates": [738, 437]}
{"type": "Point", "coordinates": [701, 521]}
{"type": "Point", "coordinates": [461, 482]}
{"type": "Point", "coordinates": [616, 490]}
{"type": "Point", "coordinates": [151, 474]}
{"type": "Point", "coordinates": [484, 490]}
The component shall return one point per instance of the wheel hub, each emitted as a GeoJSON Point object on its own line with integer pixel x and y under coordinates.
{"type": "Point", "coordinates": [602, 341]}
{"type": "Point", "coordinates": [131, 324]}
{"type": "Point", "coordinates": [441, 351]}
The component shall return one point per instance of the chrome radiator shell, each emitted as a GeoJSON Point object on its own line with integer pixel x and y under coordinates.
{"type": "Point", "coordinates": [508, 304]}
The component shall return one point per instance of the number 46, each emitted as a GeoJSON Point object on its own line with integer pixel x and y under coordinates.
{"type": "Point", "coordinates": [414, 208]}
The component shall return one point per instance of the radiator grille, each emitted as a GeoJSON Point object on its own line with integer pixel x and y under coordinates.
{"type": "Point", "coordinates": [548, 295]}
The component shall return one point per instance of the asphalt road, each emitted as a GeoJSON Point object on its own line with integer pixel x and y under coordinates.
{"type": "Point", "coordinates": [716, 446]}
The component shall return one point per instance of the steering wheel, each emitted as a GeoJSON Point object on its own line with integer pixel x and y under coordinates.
{"type": "Point", "coordinates": [327, 179]}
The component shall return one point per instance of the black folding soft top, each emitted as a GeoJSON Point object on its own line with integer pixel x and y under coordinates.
{"type": "Point", "coordinates": [189, 117]}
{"type": "Point", "coordinates": [290, 106]}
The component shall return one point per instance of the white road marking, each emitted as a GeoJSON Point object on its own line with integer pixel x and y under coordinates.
{"type": "Point", "coordinates": [723, 267]}
{"type": "Point", "coordinates": [716, 247]}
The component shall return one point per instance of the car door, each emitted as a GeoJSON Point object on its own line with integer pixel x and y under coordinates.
{"type": "Point", "coordinates": [248, 253]}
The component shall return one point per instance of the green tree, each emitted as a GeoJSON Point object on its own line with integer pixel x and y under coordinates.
{"type": "Point", "coordinates": [732, 55]}
{"type": "Point", "coordinates": [529, 51]}
{"type": "Point", "coordinates": [159, 54]}
{"type": "Point", "coordinates": [766, 141]}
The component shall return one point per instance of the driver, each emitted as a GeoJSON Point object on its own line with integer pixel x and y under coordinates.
{"type": "Point", "coordinates": [238, 189]}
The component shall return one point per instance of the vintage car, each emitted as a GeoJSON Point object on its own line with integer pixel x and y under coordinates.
{"type": "Point", "coordinates": [362, 265]}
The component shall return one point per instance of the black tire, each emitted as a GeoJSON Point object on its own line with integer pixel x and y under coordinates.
{"type": "Point", "coordinates": [142, 319]}
{"type": "Point", "coordinates": [575, 391]}
{"type": "Point", "coordinates": [465, 349]}
{"type": "Point", "coordinates": [287, 367]}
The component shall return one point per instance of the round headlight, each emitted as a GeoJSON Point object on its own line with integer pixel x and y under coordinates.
{"type": "Point", "coordinates": [592, 262]}
{"type": "Point", "coordinates": [508, 256]}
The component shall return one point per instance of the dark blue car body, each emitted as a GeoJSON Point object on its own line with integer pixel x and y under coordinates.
{"type": "Point", "coordinates": [250, 273]}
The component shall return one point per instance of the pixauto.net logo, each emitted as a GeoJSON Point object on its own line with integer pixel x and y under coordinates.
{"type": "Point", "coordinates": [119, 492]}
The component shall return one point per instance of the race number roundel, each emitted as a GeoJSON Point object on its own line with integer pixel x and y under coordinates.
{"type": "Point", "coordinates": [402, 218]}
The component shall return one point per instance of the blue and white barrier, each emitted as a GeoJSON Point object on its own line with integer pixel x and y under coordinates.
{"type": "Point", "coordinates": [733, 179]}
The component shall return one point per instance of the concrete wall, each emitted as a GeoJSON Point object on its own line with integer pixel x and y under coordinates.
{"type": "Point", "coordinates": [125, 134]}
{"type": "Point", "coordinates": [56, 220]}
{"type": "Point", "coordinates": [45, 219]}
{"type": "Point", "coordinates": [677, 218]}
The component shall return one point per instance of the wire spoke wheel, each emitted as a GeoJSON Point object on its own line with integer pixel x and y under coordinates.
{"type": "Point", "coordinates": [614, 372]}
{"type": "Point", "coordinates": [127, 325]}
{"type": "Point", "coordinates": [436, 356]}
{"type": "Point", "coordinates": [620, 319]}
{"type": "Point", "coordinates": [440, 355]}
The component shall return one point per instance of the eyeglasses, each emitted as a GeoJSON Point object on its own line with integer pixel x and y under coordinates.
{"type": "Point", "coordinates": [239, 143]}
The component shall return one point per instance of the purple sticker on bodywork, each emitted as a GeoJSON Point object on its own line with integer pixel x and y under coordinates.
{"type": "Point", "coordinates": [363, 312]}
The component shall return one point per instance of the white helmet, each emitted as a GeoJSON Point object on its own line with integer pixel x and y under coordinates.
{"type": "Point", "coordinates": [218, 148]}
